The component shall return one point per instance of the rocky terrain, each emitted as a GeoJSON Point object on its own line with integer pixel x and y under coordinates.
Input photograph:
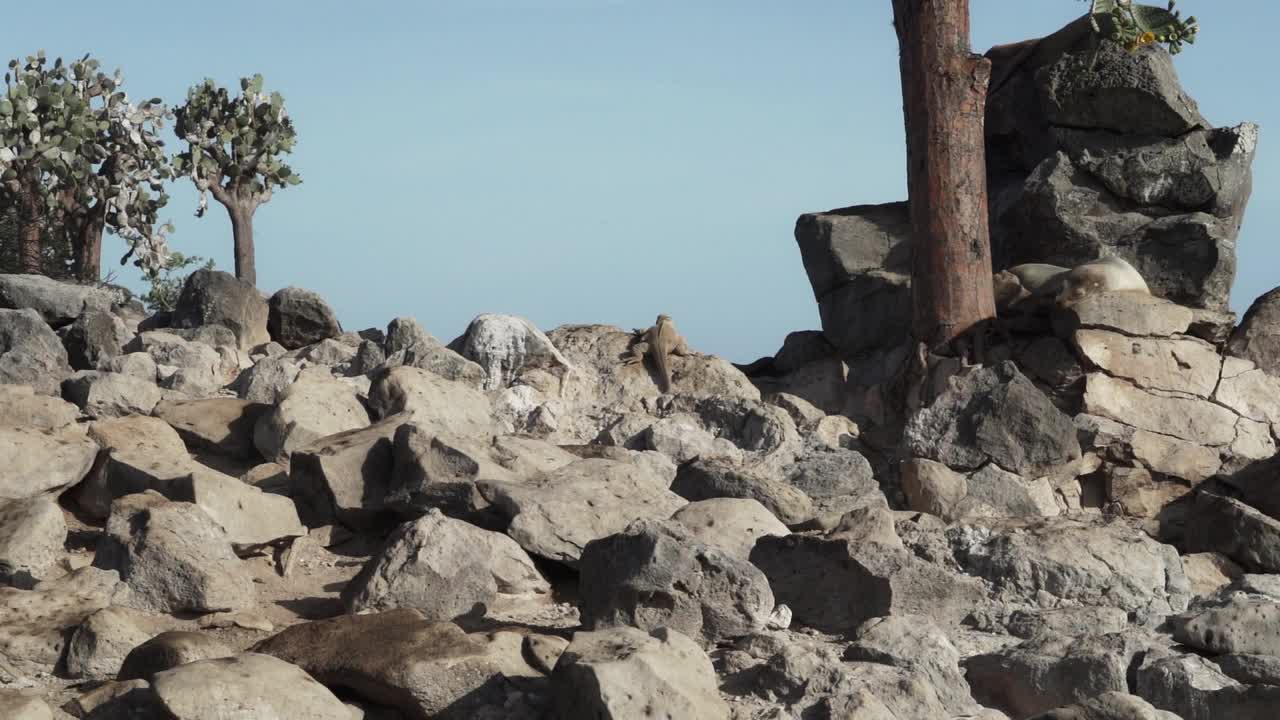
{"type": "Point", "coordinates": [242, 510]}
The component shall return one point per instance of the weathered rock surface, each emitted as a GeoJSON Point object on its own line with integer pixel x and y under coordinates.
{"type": "Point", "coordinates": [344, 477]}
{"type": "Point", "coordinates": [1217, 523]}
{"type": "Point", "coordinates": [625, 673]}
{"type": "Point", "coordinates": [297, 318]}
{"type": "Point", "coordinates": [20, 705]}
{"type": "Point", "coordinates": [187, 366]}
{"type": "Point", "coordinates": [835, 582]}
{"type": "Point", "coordinates": [219, 425]}
{"type": "Point", "coordinates": [172, 556]}
{"type": "Point", "coordinates": [108, 394]}
{"type": "Point", "coordinates": [37, 622]}
{"type": "Point", "coordinates": [99, 646]}
{"type": "Point", "coordinates": [267, 381]}
{"type": "Point", "coordinates": [1089, 562]}
{"type": "Point", "coordinates": [32, 534]}
{"type": "Point", "coordinates": [1109, 706]}
{"type": "Point", "coordinates": [997, 415]}
{"type": "Point", "coordinates": [437, 403]}
{"type": "Point", "coordinates": [1193, 688]}
{"type": "Point", "coordinates": [441, 567]}
{"type": "Point", "coordinates": [395, 658]}
{"type": "Point", "coordinates": [655, 574]}
{"type": "Point", "coordinates": [556, 516]}
{"type": "Point", "coordinates": [214, 297]}
{"type": "Point", "coordinates": [30, 353]}
{"type": "Point", "coordinates": [169, 650]}
{"type": "Point", "coordinates": [21, 407]}
{"type": "Point", "coordinates": [57, 303]}
{"type": "Point", "coordinates": [1258, 336]}
{"type": "Point", "coordinates": [226, 687]}
{"type": "Point", "coordinates": [732, 525]}
{"type": "Point", "coordinates": [409, 344]}
{"type": "Point", "coordinates": [1243, 626]}
{"type": "Point", "coordinates": [1052, 670]}
{"type": "Point", "coordinates": [94, 339]}
{"type": "Point", "coordinates": [310, 409]}
{"type": "Point", "coordinates": [36, 462]}
{"type": "Point", "coordinates": [710, 479]}
{"type": "Point", "coordinates": [507, 346]}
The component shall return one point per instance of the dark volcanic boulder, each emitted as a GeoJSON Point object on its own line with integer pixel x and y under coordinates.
{"type": "Point", "coordinates": [30, 353]}
{"type": "Point", "coordinates": [213, 297]}
{"type": "Point", "coordinates": [297, 318]}
{"type": "Point", "coordinates": [1258, 337]}
{"type": "Point", "coordinates": [994, 414]}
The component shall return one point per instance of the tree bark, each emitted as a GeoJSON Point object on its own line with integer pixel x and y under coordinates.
{"type": "Point", "coordinates": [242, 233]}
{"type": "Point", "coordinates": [944, 89]}
{"type": "Point", "coordinates": [30, 243]}
{"type": "Point", "coordinates": [88, 257]}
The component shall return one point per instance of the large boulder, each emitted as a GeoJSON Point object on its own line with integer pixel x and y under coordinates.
{"type": "Point", "coordinates": [173, 557]}
{"type": "Point", "coordinates": [409, 344]}
{"type": "Point", "coordinates": [57, 303]}
{"type": "Point", "coordinates": [1109, 706]}
{"type": "Point", "coordinates": [441, 567]}
{"type": "Point", "coordinates": [226, 686]}
{"type": "Point", "coordinates": [1088, 562]}
{"type": "Point", "coordinates": [506, 346]}
{"type": "Point", "coordinates": [169, 650]}
{"type": "Point", "coordinates": [99, 646]}
{"type": "Point", "coordinates": [94, 338]}
{"type": "Point", "coordinates": [732, 525]}
{"type": "Point", "coordinates": [994, 415]}
{"type": "Point", "coordinates": [32, 535]}
{"type": "Point", "coordinates": [189, 366]}
{"type": "Point", "coordinates": [436, 402]}
{"type": "Point", "coordinates": [1258, 336]}
{"type": "Point", "coordinates": [297, 318]}
{"type": "Point", "coordinates": [628, 673]}
{"type": "Point", "coordinates": [37, 622]}
{"type": "Point", "coordinates": [30, 352]}
{"type": "Point", "coordinates": [312, 408]}
{"type": "Point", "coordinates": [655, 574]}
{"type": "Point", "coordinates": [107, 394]}
{"type": "Point", "coordinates": [1077, 130]}
{"type": "Point", "coordinates": [1217, 523]}
{"type": "Point", "coordinates": [836, 581]}
{"type": "Point", "coordinates": [859, 264]}
{"type": "Point", "coordinates": [35, 462]}
{"type": "Point", "coordinates": [555, 516]}
{"type": "Point", "coordinates": [1051, 670]}
{"type": "Point", "coordinates": [395, 658]}
{"type": "Point", "coordinates": [344, 477]}
{"type": "Point", "coordinates": [219, 425]}
{"type": "Point", "coordinates": [21, 407]}
{"type": "Point", "coordinates": [214, 297]}
{"type": "Point", "coordinates": [1248, 626]}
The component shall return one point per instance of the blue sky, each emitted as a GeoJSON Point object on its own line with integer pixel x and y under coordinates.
{"type": "Point", "coordinates": [586, 160]}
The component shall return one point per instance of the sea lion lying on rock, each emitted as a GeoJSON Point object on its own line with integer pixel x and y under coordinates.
{"type": "Point", "coordinates": [1031, 280]}
{"type": "Point", "coordinates": [1109, 274]}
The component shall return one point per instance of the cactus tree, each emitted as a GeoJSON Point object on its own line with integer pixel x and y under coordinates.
{"type": "Point", "coordinates": [1138, 25]}
{"type": "Point", "coordinates": [74, 149]}
{"type": "Point", "coordinates": [43, 125]}
{"type": "Point", "coordinates": [234, 149]}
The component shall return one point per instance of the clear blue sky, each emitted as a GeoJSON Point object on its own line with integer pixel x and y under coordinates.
{"type": "Point", "coordinates": [587, 160]}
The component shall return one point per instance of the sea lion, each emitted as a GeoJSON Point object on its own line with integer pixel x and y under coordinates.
{"type": "Point", "coordinates": [1109, 274]}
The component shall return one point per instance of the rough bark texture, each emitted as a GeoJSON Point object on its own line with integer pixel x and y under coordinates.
{"type": "Point", "coordinates": [31, 247]}
{"type": "Point", "coordinates": [88, 251]}
{"type": "Point", "coordinates": [242, 232]}
{"type": "Point", "coordinates": [944, 89]}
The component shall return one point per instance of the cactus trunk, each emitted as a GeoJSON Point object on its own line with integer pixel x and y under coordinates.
{"type": "Point", "coordinates": [944, 89]}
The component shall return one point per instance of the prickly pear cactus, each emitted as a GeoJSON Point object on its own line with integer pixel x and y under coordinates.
{"type": "Point", "coordinates": [1137, 25]}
